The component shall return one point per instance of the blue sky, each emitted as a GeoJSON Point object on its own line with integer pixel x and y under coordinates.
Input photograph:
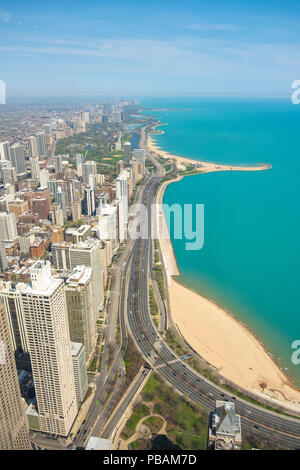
{"type": "Point", "coordinates": [156, 47]}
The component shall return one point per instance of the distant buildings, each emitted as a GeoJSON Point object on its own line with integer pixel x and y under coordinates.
{"type": "Point", "coordinates": [225, 431]}
{"type": "Point", "coordinates": [14, 434]}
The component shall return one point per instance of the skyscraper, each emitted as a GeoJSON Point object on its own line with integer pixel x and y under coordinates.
{"type": "Point", "coordinates": [32, 148]}
{"type": "Point", "coordinates": [139, 154]}
{"type": "Point", "coordinates": [3, 258]}
{"type": "Point", "coordinates": [89, 171]}
{"type": "Point", "coordinates": [61, 199]}
{"type": "Point", "coordinates": [14, 433]}
{"type": "Point", "coordinates": [88, 202]}
{"type": "Point", "coordinates": [44, 178]}
{"type": "Point", "coordinates": [4, 150]}
{"type": "Point", "coordinates": [41, 144]}
{"type": "Point", "coordinates": [79, 159]}
{"type": "Point", "coordinates": [46, 322]}
{"type": "Point", "coordinates": [80, 305]}
{"type": "Point", "coordinates": [127, 152]}
{"type": "Point", "coordinates": [17, 158]}
{"type": "Point", "coordinates": [88, 253]}
{"type": "Point", "coordinates": [8, 228]}
{"type": "Point", "coordinates": [122, 196]}
{"type": "Point", "coordinates": [79, 370]}
{"type": "Point", "coordinates": [35, 168]}
{"type": "Point", "coordinates": [58, 163]}
{"type": "Point", "coordinates": [57, 215]}
{"type": "Point", "coordinates": [76, 211]}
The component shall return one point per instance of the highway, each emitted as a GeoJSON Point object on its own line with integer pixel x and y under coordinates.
{"type": "Point", "coordinates": [279, 430]}
{"type": "Point", "coordinates": [100, 410]}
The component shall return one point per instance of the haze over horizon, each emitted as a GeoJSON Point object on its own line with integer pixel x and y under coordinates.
{"type": "Point", "coordinates": [88, 49]}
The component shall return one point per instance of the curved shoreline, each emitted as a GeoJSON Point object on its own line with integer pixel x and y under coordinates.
{"type": "Point", "coordinates": [241, 358]}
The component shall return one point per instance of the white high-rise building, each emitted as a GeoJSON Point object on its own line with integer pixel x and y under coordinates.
{"type": "Point", "coordinates": [44, 178]}
{"type": "Point", "coordinates": [8, 227]}
{"type": "Point", "coordinates": [122, 196]}
{"type": "Point", "coordinates": [47, 330]}
{"type": "Point", "coordinates": [108, 222]}
{"type": "Point", "coordinates": [89, 171]}
{"type": "Point", "coordinates": [35, 168]}
{"type": "Point", "coordinates": [79, 160]}
{"type": "Point", "coordinates": [85, 117]}
{"type": "Point", "coordinates": [4, 150]}
{"type": "Point", "coordinates": [32, 149]}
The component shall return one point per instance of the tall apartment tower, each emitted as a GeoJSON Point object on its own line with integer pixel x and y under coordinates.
{"type": "Point", "coordinates": [47, 330]}
{"type": "Point", "coordinates": [89, 171]}
{"type": "Point", "coordinates": [14, 434]}
{"type": "Point", "coordinates": [61, 199]}
{"type": "Point", "coordinates": [127, 152]}
{"type": "Point", "coordinates": [35, 168]}
{"type": "Point", "coordinates": [17, 158]}
{"type": "Point", "coordinates": [32, 147]}
{"type": "Point", "coordinates": [8, 228]}
{"type": "Point", "coordinates": [12, 298]}
{"type": "Point", "coordinates": [3, 258]}
{"type": "Point", "coordinates": [41, 143]}
{"type": "Point", "coordinates": [88, 253]}
{"type": "Point", "coordinates": [4, 150]}
{"type": "Point", "coordinates": [80, 305]}
{"type": "Point", "coordinates": [122, 196]}
{"type": "Point", "coordinates": [88, 202]}
{"type": "Point", "coordinates": [76, 211]}
{"type": "Point", "coordinates": [57, 215]}
{"type": "Point", "coordinates": [44, 178]}
{"type": "Point", "coordinates": [139, 154]}
{"type": "Point", "coordinates": [80, 372]}
{"type": "Point", "coordinates": [58, 163]}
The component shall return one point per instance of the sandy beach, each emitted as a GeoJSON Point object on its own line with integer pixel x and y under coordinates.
{"type": "Point", "coordinates": [222, 340]}
{"type": "Point", "coordinates": [203, 166]}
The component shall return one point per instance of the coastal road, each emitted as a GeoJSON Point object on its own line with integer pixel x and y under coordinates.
{"type": "Point", "coordinates": [277, 429]}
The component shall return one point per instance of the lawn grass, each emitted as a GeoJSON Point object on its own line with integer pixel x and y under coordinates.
{"type": "Point", "coordinates": [138, 413]}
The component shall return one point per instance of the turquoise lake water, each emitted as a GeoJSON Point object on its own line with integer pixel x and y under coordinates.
{"type": "Point", "coordinates": [250, 262]}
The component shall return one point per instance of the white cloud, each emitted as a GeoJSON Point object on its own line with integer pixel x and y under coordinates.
{"type": "Point", "coordinates": [214, 27]}
{"type": "Point", "coordinates": [5, 16]}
